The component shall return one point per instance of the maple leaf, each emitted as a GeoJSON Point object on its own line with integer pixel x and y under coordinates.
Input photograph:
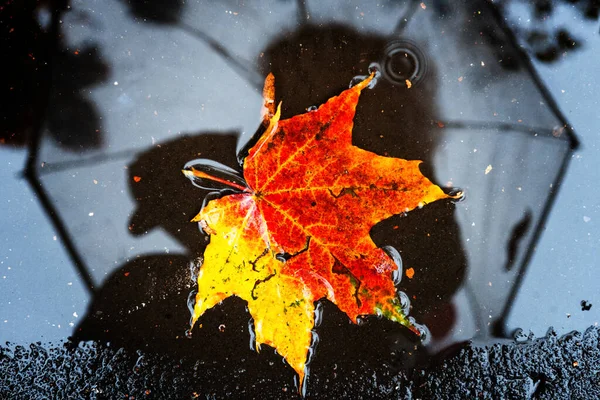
{"type": "Point", "coordinates": [297, 231]}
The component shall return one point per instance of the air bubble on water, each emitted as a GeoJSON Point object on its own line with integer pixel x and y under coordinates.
{"type": "Point", "coordinates": [424, 333]}
{"type": "Point", "coordinates": [397, 276]}
{"type": "Point", "coordinates": [395, 256]}
{"type": "Point", "coordinates": [312, 108]}
{"type": "Point", "coordinates": [318, 314]}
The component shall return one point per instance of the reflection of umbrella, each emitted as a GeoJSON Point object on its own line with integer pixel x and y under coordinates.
{"type": "Point", "coordinates": [475, 112]}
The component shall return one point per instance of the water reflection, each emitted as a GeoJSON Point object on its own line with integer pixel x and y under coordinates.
{"type": "Point", "coordinates": [476, 107]}
{"type": "Point", "coordinates": [43, 65]}
{"type": "Point", "coordinates": [73, 119]}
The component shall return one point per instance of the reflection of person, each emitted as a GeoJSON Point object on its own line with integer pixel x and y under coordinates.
{"type": "Point", "coordinates": [313, 64]}
{"type": "Point", "coordinates": [143, 303]}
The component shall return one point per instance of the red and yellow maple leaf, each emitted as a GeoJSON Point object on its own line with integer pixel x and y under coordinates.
{"type": "Point", "coordinates": [299, 231]}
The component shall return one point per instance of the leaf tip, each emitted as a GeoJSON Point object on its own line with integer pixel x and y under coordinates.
{"type": "Point", "coordinates": [268, 94]}
{"type": "Point", "coordinates": [359, 87]}
{"type": "Point", "coordinates": [457, 196]}
{"type": "Point", "coordinates": [302, 381]}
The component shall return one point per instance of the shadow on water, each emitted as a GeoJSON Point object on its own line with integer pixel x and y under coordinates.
{"type": "Point", "coordinates": [41, 63]}
{"type": "Point", "coordinates": [142, 304]}
{"type": "Point", "coordinates": [73, 120]}
{"type": "Point", "coordinates": [156, 11]}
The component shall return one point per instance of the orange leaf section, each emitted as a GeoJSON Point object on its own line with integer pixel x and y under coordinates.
{"type": "Point", "coordinates": [300, 231]}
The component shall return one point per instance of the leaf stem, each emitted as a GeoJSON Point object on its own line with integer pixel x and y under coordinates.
{"type": "Point", "coordinates": [203, 175]}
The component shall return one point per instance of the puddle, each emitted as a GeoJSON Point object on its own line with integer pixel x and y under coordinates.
{"type": "Point", "coordinates": [452, 90]}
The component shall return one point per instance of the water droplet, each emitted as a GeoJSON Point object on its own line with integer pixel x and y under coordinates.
{"type": "Point", "coordinates": [312, 108]}
{"type": "Point", "coordinates": [313, 347]}
{"type": "Point", "coordinates": [195, 266]}
{"type": "Point", "coordinates": [318, 314]}
{"type": "Point", "coordinates": [188, 333]}
{"type": "Point", "coordinates": [404, 302]}
{"type": "Point", "coordinates": [395, 256]}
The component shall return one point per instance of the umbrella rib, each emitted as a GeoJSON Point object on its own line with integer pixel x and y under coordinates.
{"type": "Point", "coordinates": [236, 63]}
{"type": "Point", "coordinates": [552, 104]}
{"type": "Point", "coordinates": [405, 19]}
{"type": "Point", "coordinates": [31, 173]}
{"type": "Point", "coordinates": [303, 14]}
{"type": "Point", "coordinates": [60, 166]}
{"type": "Point", "coordinates": [501, 126]}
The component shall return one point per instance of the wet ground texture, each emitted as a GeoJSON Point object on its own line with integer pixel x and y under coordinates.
{"type": "Point", "coordinates": [546, 368]}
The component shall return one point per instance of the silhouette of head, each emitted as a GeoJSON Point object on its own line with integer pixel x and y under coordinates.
{"type": "Point", "coordinates": [164, 197]}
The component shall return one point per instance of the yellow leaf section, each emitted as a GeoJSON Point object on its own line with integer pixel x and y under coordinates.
{"type": "Point", "coordinates": [240, 261]}
{"type": "Point", "coordinates": [283, 315]}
